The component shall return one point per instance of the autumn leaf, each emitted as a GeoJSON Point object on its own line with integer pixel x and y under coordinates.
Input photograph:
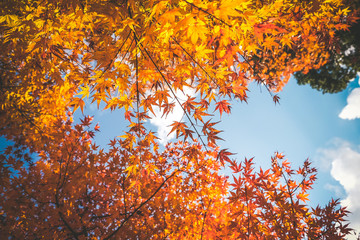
{"type": "Point", "coordinates": [223, 106]}
{"type": "Point", "coordinates": [179, 128]}
{"type": "Point", "coordinates": [223, 156]}
{"type": "Point", "coordinates": [77, 102]}
{"type": "Point", "coordinates": [133, 57]}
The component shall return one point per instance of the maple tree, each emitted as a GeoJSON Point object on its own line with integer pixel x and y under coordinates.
{"type": "Point", "coordinates": [136, 55]}
{"type": "Point", "coordinates": [74, 191]}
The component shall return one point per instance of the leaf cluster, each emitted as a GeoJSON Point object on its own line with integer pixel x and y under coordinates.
{"type": "Point", "coordinates": [58, 57]}
{"type": "Point", "coordinates": [342, 65]}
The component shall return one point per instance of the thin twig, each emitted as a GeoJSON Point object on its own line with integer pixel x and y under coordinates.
{"type": "Point", "coordinates": [203, 223]}
{"type": "Point", "coordinates": [203, 10]}
{"type": "Point", "coordinates": [140, 206]}
{"type": "Point", "coordinates": [248, 212]}
{"type": "Point", "coordinates": [113, 59]}
{"type": "Point", "coordinates": [291, 200]}
{"type": "Point", "coordinates": [256, 74]}
{"type": "Point", "coordinates": [172, 91]}
{"type": "Point", "coordinates": [137, 93]}
{"type": "Point", "coordinates": [192, 58]}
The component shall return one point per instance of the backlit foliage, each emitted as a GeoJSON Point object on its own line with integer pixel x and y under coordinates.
{"type": "Point", "coordinates": [135, 56]}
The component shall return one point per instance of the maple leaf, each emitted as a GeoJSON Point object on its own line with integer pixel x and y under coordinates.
{"type": "Point", "coordinates": [77, 102]}
{"type": "Point", "coordinates": [223, 156]}
{"type": "Point", "coordinates": [167, 108]}
{"type": "Point", "coordinates": [223, 106]}
{"type": "Point", "coordinates": [188, 133]}
{"type": "Point", "coordinates": [199, 113]}
{"type": "Point", "coordinates": [188, 105]}
{"type": "Point", "coordinates": [179, 128]}
{"type": "Point", "coordinates": [276, 99]}
{"type": "Point", "coordinates": [126, 55]}
{"type": "Point", "coordinates": [128, 115]}
{"type": "Point", "coordinates": [303, 197]}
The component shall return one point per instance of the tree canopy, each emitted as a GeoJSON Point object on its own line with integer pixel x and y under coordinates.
{"type": "Point", "coordinates": [343, 63]}
{"type": "Point", "coordinates": [136, 55]}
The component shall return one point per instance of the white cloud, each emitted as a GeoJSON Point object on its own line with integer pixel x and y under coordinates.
{"type": "Point", "coordinates": [352, 109]}
{"type": "Point", "coordinates": [350, 50]}
{"type": "Point", "coordinates": [163, 123]}
{"type": "Point", "coordinates": [345, 168]}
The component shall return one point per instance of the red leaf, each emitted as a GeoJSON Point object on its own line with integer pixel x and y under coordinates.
{"type": "Point", "coordinates": [128, 115]}
{"type": "Point", "coordinates": [223, 106]}
{"type": "Point", "coordinates": [224, 156]}
{"type": "Point", "coordinates": [276, 99]}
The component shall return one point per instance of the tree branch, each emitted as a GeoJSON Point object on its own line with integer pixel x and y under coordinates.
{"type": "Point", "coordinates": [140, 206]}
{"type": "Point", "coordinates": [172, 91]}
{"type": "Point", "coordinates": [203, 10]}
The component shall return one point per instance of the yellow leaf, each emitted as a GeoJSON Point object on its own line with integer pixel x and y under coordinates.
{"type": "Point", "coordinates": [77, 102]}
{"type": "Point", "coordinates": [85, 91]}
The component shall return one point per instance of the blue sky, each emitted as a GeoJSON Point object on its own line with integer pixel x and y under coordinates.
{"type": "Point", "coordinates": [306, 124]}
